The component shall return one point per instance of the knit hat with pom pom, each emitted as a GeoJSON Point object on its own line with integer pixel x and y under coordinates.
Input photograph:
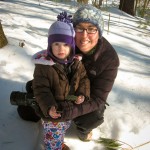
{"type": "Point", "coordinates": [62, 31]}
{"type": "Point", "coordinates": [90, 14]}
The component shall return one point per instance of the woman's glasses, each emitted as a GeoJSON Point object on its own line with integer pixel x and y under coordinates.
{"type": "Point", "coordinates": [88, 30]}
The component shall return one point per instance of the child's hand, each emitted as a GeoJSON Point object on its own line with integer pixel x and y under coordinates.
{"type": "Point", "coordinates": [80, 99]}
{"type": "Point", "coordinates": [53, 113]}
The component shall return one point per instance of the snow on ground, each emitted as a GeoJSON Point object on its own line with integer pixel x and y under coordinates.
{"type": "Point", "coordinates": [128, 116]}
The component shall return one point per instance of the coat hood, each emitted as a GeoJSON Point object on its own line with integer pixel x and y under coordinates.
{"type": "Point", "coordinates": [41, 57]}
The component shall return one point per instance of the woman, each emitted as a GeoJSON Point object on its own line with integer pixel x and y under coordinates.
{"type": "Point", "coordinates": [101, 62]}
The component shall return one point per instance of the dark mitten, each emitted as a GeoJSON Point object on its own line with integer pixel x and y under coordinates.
{"type": "Point", "coordinates": [29, 87]}
{"type": "Point", "coordinates": [28, 113]}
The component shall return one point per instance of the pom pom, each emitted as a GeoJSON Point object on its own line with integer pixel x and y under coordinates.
{"type": "Point", "coordinates": [64, 18]}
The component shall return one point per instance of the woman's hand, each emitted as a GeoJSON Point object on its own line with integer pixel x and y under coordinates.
{"type": "Point", "coordinates": [80, 99]}
{"type": "Point", "coordinates": [53, 113]}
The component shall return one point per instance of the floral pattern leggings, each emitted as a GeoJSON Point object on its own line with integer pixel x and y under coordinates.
{"type": "Point", "coordinates": [54, 133]}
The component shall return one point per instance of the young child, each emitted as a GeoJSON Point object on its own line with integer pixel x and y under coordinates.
{"type": "Point", "coordinates": [59, 75]}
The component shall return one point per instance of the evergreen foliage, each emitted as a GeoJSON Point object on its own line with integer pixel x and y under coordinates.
{"type": "Point", "coordinates": [109, 144]}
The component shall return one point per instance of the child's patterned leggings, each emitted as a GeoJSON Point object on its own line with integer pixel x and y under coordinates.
{"type": "Point", "coordinates": [54, 133]}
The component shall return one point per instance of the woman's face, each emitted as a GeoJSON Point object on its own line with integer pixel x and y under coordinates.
{"type": "Point", "coordinates": [86, 41]}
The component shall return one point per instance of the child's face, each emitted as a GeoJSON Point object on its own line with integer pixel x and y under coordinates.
{"type": "Point", "coordinates": [61, 50]}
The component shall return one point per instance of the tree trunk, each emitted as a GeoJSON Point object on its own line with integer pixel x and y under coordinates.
{"type": "Point", "coordinates": [144, 8]}
{"type": "Point", "coordinates": [3, 40]}
{"type": "Point", "coordinates": [136, 5]}
{"type": "Point", "coordinates": [97, 3]}
{"type": "Point", "coordinates": [127, 6]}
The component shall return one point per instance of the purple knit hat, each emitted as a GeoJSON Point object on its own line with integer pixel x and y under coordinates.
{"type": "Point", "coordinates": [62, 31]}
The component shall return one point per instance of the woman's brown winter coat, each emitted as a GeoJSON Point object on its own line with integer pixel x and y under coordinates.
{"type": "Point", "coordinates": [51, 84]}
{"type": "Point", "coordinates": [102, 67]}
